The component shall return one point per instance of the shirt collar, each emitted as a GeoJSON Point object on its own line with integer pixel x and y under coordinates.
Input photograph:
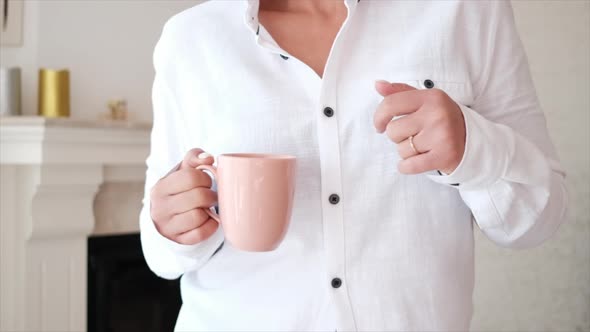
{"type": "Point", "coordinates": [251, 15]}
{"type": "Point", "coordinates": [252, 6]}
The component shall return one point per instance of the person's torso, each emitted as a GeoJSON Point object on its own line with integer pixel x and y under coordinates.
{"type": "Point", "coordinates": [402, 245]}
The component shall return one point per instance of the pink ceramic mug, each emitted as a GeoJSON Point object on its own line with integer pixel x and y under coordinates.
{"type": "Point", "coordinates": [255, 194]}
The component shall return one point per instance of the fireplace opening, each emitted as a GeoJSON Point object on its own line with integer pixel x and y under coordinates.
{"type": "Point", "coordinates": [123, 294]}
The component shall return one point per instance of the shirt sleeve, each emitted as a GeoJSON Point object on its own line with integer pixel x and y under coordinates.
{"type": "Point", "coordinates": [510, 175]}
{"type": "Point", "coordinates": [167, 258]}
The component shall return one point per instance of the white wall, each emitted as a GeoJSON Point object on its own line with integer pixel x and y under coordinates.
{"type": "Point", "coordinates": [108, 47]}
{"type": "Point", "coordinates": [106, 44]}
{"type": "Point", "coordinates": [25, 57]}
{"type": "Point", "coordinates": [548, 288]}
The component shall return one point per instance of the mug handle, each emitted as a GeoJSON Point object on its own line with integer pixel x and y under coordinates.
{"type": "Point", "coordinates": [213, 171]}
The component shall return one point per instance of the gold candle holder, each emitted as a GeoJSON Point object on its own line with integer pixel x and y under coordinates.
{"type": "Point", "coordinates": [54, 93]}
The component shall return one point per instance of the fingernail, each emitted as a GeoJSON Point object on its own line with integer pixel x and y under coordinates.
{"type": "Point", "coordinates": [204, 155]}
{"type": "Point", "coordinates": [382, 81]}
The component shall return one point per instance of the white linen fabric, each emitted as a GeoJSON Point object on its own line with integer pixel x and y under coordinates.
{"type": "Point", "coordinates": [395, 253]}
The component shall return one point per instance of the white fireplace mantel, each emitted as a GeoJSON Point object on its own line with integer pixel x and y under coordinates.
{"type": "Point", "coordinates": [50, 173]}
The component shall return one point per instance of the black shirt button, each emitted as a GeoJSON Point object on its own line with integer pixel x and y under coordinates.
{"type": "Point", "coordinates": [334, 199]}
{"type": "Point", "coordinates": [329, 112]}
{"type": "Point", "coordinates": [336, 282]}
{"type": "Point", "coordinates": [284, 57]}
{"type": "Point", "coordinates": [429, 84]}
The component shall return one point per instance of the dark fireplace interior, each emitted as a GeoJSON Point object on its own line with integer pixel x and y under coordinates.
{"type": "Point", "coordinates": [123, 294]}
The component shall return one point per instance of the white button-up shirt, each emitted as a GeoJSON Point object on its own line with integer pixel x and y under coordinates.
{"type": "Point", "coordinates": [400, 245]}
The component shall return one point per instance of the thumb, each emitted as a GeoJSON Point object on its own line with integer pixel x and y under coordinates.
{"type": "Point", "coordinates": [196, 157]}
{"type": "Point", "coordinates": [385, 88]}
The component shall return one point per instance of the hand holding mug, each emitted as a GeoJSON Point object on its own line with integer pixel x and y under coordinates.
{"type": "Point", "coordinates": [180, 200]}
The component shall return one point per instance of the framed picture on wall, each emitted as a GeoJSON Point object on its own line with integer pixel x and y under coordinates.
{"type": "Point", "coordinates": [11, 22]}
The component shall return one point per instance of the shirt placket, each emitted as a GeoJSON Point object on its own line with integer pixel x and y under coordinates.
{"type": "Point", "coordinates": [330, 165]}
{"type": "Point", "coordinates": [333, 199]}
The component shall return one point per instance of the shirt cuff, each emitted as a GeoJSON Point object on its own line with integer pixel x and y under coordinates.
{"type": "Point", "coordinates": [488, 149]}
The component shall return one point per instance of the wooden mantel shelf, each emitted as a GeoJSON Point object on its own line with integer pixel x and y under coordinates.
{"type": "Point", "coordinates": [69, 122]}
{"type": "Point", "coordinates": [26, 140]}
{"type": "Point", "coordinates": [50, 173]}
